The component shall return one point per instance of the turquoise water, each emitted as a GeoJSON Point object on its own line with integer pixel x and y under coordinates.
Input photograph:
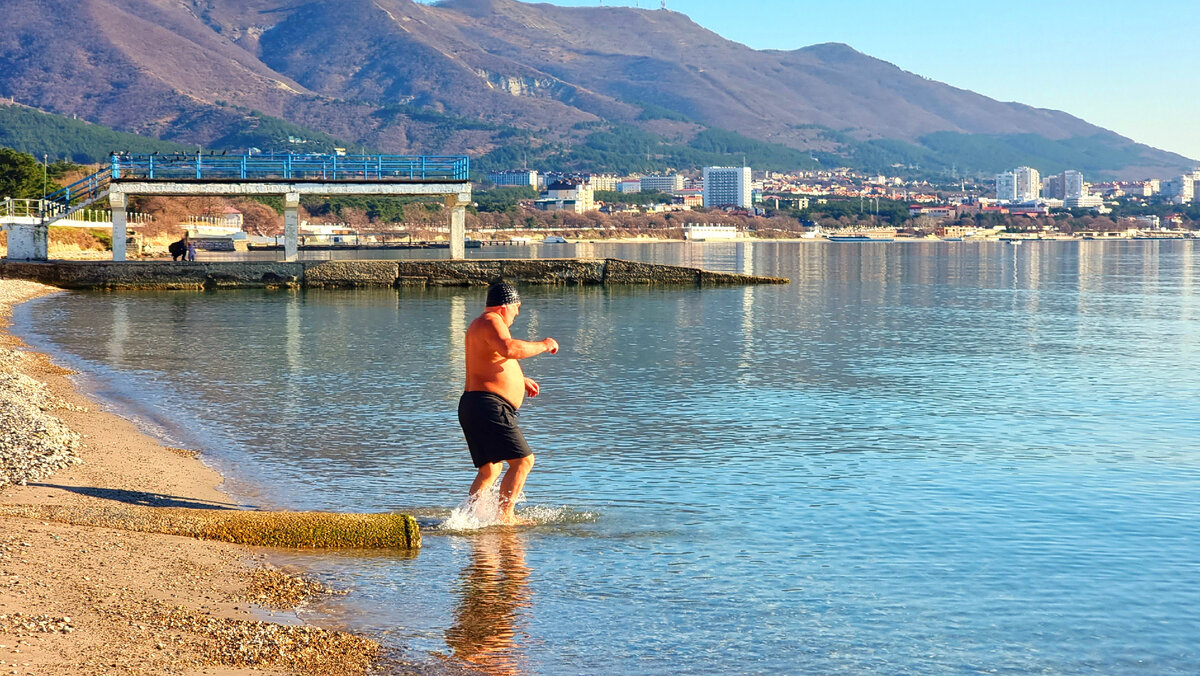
{"type": "Point", "coordinates": [916, 458]}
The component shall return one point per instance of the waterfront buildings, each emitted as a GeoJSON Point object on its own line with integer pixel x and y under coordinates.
{"type": "Point", "coordinates": [727, 186]}
{"type": "Point", "coordinates": [1022, 191]}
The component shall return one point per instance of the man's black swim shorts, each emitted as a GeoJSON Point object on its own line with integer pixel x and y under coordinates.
{"type": "Point", "coordinates": [489, 422]}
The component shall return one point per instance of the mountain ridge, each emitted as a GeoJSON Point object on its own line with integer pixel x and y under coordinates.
{"type": "Point", "coordinates": [475, 76]}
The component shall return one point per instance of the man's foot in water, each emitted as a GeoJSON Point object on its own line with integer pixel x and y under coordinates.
{"type": "Point", "coordinates": [514, 520]}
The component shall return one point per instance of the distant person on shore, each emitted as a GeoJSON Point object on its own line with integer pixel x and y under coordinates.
{"type": "Point", "coordinates": [496, 387]}
{"type": "Point", "coordinates": [191, 251]}
{"type": "Point", "coordinates": [178, 250]}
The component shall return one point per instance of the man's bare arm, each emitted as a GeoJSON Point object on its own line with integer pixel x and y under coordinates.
{"type": "Point", "coordinates": [500, 340]}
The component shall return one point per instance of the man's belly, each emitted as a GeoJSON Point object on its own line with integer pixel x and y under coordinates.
{"type": "Point", "coordinates": [514, 395]}
{"type": "Point", "coordinates": [505, 379]}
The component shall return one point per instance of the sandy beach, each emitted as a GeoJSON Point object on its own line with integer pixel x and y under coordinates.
{"type": "Point", "coordinates": [86, 600]}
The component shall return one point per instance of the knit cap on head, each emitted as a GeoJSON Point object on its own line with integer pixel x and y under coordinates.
{"type": "Point", "coordinates": [502, 293]}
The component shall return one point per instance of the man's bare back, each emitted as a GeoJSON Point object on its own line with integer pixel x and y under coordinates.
{"type": "Point", "coordinates": [496, 383]}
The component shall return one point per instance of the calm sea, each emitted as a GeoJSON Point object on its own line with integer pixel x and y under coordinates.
{"type": "Point", "coordinates": [915, 458]}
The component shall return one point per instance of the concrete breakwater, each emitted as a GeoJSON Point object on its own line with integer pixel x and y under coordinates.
{"type": "Point", "coordinates": [166, 275]}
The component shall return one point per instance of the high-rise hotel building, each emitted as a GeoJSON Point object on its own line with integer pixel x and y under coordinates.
{"type": "Point", "coordinates": [727, 187]}
{"type": "Point", "coordinates": [1029, 184]}
{"type": "Point", "coordinates": [1006, 187]}
{"type": "Point", "coordinates": [1022, 185]}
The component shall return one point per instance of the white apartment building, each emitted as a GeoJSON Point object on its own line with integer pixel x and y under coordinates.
{"type": "Point", "coordinates": [1181, 190]}
{"type": "Point", "coordinates": [568, 195]}
{"type": "Point", "coordinates": [727, 186]}
{"type": "Point", "coordinates": [629, 187]}
{"type": "Point", "coordinates": [1029, 184]}
{"type": "Point", "coordinates": [1084, 201]}
{"type": "Point", "coordinates": [603, 182]}
{"type": "Point", "coordinates": [1006, 187]}
{"type": "Point", "coordinates": [1021, 185]}
{"type": "Point", "coordinates": [524, 178]}
{"type": "Point", "coordinates": [667, 183]}
{"type": "Point", "coordinates": [1073, 185]}
{"type": "Point", "coordinates": [702, 232]}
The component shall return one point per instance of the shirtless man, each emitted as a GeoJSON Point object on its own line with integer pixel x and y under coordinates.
{"type": "Point", "coordinates": [496, 386]}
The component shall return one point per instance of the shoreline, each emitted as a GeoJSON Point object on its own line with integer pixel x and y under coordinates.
{"type": "Point", "coordinates": [90, 600]}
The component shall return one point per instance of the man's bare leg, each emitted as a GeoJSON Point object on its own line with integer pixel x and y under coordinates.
{"type": "Point", "coordinates": [511, 485]}
{"type": "Point", "coordinates": [486, 477]}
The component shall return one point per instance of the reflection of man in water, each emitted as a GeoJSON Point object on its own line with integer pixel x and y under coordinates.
{"type": "Point", "coordinates": [495, 388]}
{"type": "Point", "coordinates": [495, 590]}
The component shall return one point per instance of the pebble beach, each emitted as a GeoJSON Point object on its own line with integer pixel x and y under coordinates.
{"type": "Point", "coordinates": [33, 442]}
{"type": "Point", "coordinates": [78, 599]}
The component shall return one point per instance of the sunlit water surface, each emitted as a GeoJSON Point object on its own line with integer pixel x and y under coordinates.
{"type": "Point", "coordinates": [915, 458]}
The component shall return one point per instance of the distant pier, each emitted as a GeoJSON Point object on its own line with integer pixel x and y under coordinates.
{"type": "Point", "coordinates": [288, 176]}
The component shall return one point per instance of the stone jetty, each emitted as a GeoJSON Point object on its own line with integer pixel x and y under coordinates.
{"type": "Point", "coordinates": [292, 530]}
{"type": "Point", "coordinates": [166, 275]}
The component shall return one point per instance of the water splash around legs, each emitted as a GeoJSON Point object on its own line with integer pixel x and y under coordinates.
{"type": "Point", "coordinates": [478, 511]}
{"type": "Point", "coordinates": [483, 511]}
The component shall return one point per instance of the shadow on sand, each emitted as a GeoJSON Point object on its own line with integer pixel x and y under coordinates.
{"type": "Point", "coordinates": [142, 498]}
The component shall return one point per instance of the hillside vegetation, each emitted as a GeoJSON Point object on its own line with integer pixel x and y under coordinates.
{"type": "Point", "coordinates": [62, 138]}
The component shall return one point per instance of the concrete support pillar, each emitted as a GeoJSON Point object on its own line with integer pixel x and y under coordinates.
{"type": "Point", "coordinates": [291, 226]}
{"type": "Point", "coordinates": [28, 241]}
{"type": "Point", "coordinates": [458, 225]}
{"type": "Point", "coordinates": [117, 202]}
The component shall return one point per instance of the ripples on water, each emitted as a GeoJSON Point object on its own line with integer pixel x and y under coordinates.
{"type": "Point", "coordinates": [915, 458]}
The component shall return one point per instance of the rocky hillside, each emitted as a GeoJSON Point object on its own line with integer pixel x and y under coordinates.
{"type": "Point", "coordinates": [487, 76]}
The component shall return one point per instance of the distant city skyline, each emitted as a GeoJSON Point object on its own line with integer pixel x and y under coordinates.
{"type": "Point", "coordinates": [1130, 68]}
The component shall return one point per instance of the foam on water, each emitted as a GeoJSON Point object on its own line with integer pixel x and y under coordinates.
{"type": "Point", "coordinates": [477, 511]}
{"type": "Point", "coordinates": [483, 511]}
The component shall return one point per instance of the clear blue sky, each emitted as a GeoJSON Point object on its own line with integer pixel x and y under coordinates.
{"type": "Point", "coordinates": [1132, 67]}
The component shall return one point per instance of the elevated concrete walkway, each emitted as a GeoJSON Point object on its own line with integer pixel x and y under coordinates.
{"type": "Point", "coordinates": [288, 176]}
{"type": "Point", "coordinates": [165, 275]}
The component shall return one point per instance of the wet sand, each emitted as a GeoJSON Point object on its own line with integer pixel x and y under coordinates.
{"type": "Point", "coordinates": [85, 600]}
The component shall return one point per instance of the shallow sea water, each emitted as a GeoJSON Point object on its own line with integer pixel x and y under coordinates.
{"type": "Point", "coordinates": [915, 458]}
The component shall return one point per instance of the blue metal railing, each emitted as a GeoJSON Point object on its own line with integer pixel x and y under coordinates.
{"type": "Point", "coordinates": [279, 167]}
{"type": "Point", "coordinates": [83, 191]}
